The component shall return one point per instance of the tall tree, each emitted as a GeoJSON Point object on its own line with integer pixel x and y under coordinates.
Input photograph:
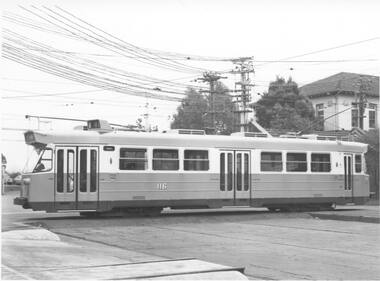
{"type": "Point", "coordinates": [283, 108]}
{"type": "Point", "coordinates": [194, 111]}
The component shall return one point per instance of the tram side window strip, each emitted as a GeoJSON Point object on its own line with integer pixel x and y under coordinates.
{"type": "Point", "coordinates": [70, 171]}
{"type": "Point", "coordinates": [238, 172]}
{"type": "Point", "coordinates": [320, 162]}
{"type": "Point", "coordinates": [296, 162]}
{"type": "Point", "coordinates": [222, 172]}
{"type": "Point", "coordinates": [271, 161]}
{"type": "Point", "coordinates": [165, 159]}
{"type": "Point", "coordinates": [60, 170]}
{"type": "Point", "coordinates": [229, 172]}
{"type": "Point", "coordinates": [93, 166]}
{"type": "Point", "coordinates": [358, 163]}
{"type": "Point", "coordinates": [196, 160]}
{"type": "Point", "coordinates": [83, 170]}
{"type": "Point", "coordinates": [133, 159]}
{"type": "Point", "coordinates": [246, 171]}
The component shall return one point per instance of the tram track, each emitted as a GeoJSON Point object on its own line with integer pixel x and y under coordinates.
{"type": "Point", "coordinates": [274, 243]}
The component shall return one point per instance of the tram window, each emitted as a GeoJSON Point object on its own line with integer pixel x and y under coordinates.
{"type": "Point", "coordinates": [222, 172]}
{"type": "Point", "coordinates": [93, 165]}
{"type": "Point", "coordinates": [83, 170]}
{"type": "Point", "coordinates": [229, 172]}
{"type": "Point", "coordinates": [238, 171]}
{"type": "Point", "coordinates": [296, 162]}
{"type": "Point", "coordinates": [133, 159]}
{"type": "Point", "coordinates": [246, 172]}
{"type": "Point", "coordinates": [358, 163]}
{"type": "Point", "coordinates": [60, 170]}
{"type": "Point", "coordinates": [44, 164]}
{"type": "Point", "coordinates": [165, 159]}
{"type": "Point", "coordinates": [320, 162]}
{"type": "Point", "coordinates": [196, 160]}
{"type": "Point", "coordinates": [70, 171]}
{"type": "Point", "coordinates": [271, 161]}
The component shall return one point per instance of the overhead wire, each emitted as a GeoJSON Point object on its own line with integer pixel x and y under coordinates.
{"type": "Point", "coordinates": [62, 22]}
{"type": "Point", "coordinates": [65, 71]}
{"type": "Point", "coordinates": [152, 80]}
{"type": "Point", "coordinates": [74, 59]}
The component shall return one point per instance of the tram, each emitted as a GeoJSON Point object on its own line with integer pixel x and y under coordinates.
{"type": "Point", "coordinates": [99, 169]}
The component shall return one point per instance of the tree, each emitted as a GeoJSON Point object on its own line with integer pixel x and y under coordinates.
{"type": "Point", "coordinates": [194, 111]}
{"type": "Point", "coordinates": [282, 107]}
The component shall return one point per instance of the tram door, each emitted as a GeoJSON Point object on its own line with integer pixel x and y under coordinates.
{"type": "Point", "coordinates": [76, 178]}
{"type": "Point", "coordinates": [348, 176]}
{"type": "Point", "coordinates": [235, 168]}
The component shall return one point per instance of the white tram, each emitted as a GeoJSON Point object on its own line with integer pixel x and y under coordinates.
{"type": "Point", "coordinates": [102, 170]}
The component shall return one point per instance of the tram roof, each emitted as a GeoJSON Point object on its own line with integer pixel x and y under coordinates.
{"type": "Point", "coordinates": [178, 140]}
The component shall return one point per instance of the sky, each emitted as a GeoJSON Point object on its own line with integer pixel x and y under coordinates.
{"type": "Point", "coordinates": [308, 40]}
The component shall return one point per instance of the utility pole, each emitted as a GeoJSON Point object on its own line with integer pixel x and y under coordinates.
{"type": "Point", "coordinates": [244, 67]}
{"type": "Point", "coordinates": [361, 98]}
{"type": "Point", "coordinates": [211, 78]}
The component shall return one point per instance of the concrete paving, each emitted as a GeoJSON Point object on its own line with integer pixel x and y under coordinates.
{"type": "Point", "coordinates": [268, 245]}
{"type": "Point", "coordinates": [370, 214]}
{"type": "Point", "coordinates": [37, 253]}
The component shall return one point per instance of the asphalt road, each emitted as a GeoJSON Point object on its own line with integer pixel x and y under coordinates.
{"type": "Point", "coordinates": [268, 245]}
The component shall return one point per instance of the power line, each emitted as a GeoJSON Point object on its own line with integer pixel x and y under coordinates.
{"type": "Point", "coordinates": [323, 50]}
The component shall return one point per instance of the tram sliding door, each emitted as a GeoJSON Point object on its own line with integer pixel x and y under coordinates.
{"type": "Point", "coordinates": [88, 189]}
{"type": "Point", "coordinates": [235, 166]}
{"type": "Point", "coordinates": [65, 178]}
{"type": "Point", "coordinates": [76, 178]}
{"type": "Point", "coordinates": [348, 176]}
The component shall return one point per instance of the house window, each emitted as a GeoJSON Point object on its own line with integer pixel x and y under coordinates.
{"type": "Point", "coordinates": [196, 160]}
{"type": "Point", "coordinates": [319, 109]}
{"type": "Point", "coordinates": [271, 161]}
{"type": "Point", "coordinates": [296, 162]}
{"type": "Point", "coordinates": [320, 162]}
{"type": "Point", "coordinates": [355, 115]}
{"type": "Point", "coordinates": [355, 118]}
{"type": "Point", "coordinates": [165, 159]}
{"type": "Point", "coordinates": [133, 159]}
{"type": "Point", "coordinates": [372, 108]}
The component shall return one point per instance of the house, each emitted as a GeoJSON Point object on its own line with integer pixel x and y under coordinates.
{"type": "Point", "coordinates": [337, 99]}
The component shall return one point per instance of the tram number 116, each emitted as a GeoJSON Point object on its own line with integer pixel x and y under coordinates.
{"type": "Point", "coordinates": [162, 186]}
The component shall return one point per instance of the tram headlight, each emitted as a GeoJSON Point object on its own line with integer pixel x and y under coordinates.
{"type": "Point", "coordinates": [26, 181]}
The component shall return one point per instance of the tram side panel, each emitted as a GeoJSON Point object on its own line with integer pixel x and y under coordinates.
{"type": "Point", "coordinates": [285, 187]}
{"type": "Point", "coordinates": [145, 188]}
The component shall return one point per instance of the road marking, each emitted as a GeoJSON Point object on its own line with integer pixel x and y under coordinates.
{"type": "Point", "coordinates": [18, 273]}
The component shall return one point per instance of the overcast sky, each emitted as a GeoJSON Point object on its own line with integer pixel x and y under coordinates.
{"type": "Point", "coordinates": [267, 30]}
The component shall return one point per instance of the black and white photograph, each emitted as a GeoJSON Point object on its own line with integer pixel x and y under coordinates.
{"type": "Point", "coordinates": [190, 140]}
